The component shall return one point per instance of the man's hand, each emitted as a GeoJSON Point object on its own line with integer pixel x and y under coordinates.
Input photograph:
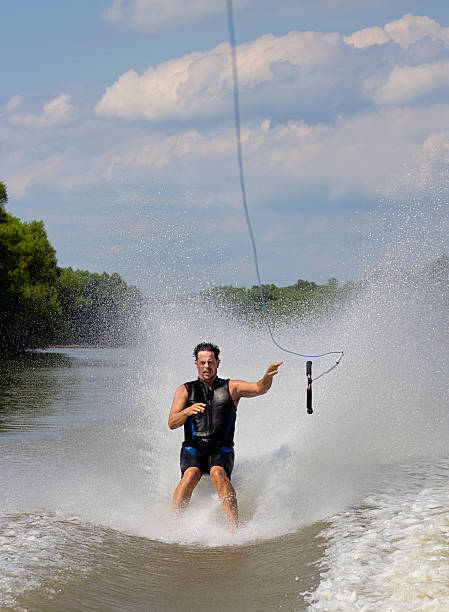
{"type": "Point", "coordinates": [194, 409]}
{"type": "Point", "coordinates": [266, 381]}
{"type": "Point", "coordinates": [273, 368]}
{"type": "Point", "coordinates": [179, 413]}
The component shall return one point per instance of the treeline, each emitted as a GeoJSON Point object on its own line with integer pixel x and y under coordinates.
{"type": "Point", "coordinates": [306, 299]}
{"type": "Point", "coordinates": [42, 304]}
{"type": "Point", "coordinates": [302, 299]}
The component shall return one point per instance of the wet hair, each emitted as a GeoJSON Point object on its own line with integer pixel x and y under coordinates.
{"type": "Point", "coordinates": [206, 346]}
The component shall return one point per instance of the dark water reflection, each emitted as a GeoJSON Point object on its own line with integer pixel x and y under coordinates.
{"type": "Point", "coordinates": [28, 387]}
{"type": "Point", "coordinates": [48, 392]}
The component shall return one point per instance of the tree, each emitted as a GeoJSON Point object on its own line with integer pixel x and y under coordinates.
{"type": "Point", "coordinates": [99, 309]}
{"type": "Point", "coordinates": [3, 200]}
{"type": "Point", "coordinates": [300, 300]}
{"type": "Point", "coordinates": [3, 195]}
{"type": "Point", "coordinates": [41, 304]}
{"type": "Point", "coordinates": [29, 308]}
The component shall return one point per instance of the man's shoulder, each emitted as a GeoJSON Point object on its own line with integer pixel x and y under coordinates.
{"type": "Point", "coordinates": [221, 382]}
{"type": "Point", "coordinates": [182, 389]}
{"type": "Point", "coordinates": [233, 383]}
{"type": "Point", "coordinates": [189, 383]}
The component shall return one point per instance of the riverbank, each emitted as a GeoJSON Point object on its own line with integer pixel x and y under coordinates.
{"type": "Point", "coordinates": [73, 346]}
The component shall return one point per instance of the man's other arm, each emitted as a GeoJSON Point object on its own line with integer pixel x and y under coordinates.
{"type": "Point", "coordinates": [178, 411]}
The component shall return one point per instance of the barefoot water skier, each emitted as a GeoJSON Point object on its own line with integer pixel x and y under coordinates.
{"type": "Point", "coordinates": [207, 407]}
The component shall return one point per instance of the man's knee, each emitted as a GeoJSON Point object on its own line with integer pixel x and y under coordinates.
{"type": "Point", "coordinates": [222, 484]}
{"type": "Point", "coordinates": [218, 474]}
{"type": "Point", "coordinates": [191, 476]}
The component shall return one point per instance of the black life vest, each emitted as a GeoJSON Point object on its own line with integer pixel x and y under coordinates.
{"type": "Point", "coordinates": [217, 422]}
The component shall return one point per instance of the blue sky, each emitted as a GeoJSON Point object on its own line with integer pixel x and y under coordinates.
{"type": "Point", "coordinates": [116, 126]}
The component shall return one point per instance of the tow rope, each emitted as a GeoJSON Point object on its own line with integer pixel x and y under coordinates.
{"type": "Point", "coordinates": [238, 139]}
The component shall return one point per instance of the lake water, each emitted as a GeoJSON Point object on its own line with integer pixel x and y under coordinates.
{"type": "Point", "coordinates": [346, 509]}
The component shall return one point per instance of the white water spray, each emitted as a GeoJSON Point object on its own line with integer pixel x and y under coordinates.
{"type": "Point", "coordinates": [386, 405]}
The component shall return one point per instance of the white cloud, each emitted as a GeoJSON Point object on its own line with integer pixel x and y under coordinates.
{"type": "Point", "coordinates": [115, 12]}
{"type": "Point", "coordinates": [365, 150]}
{"type": "Point", "coordinates": [169, 90]}
{"type": "Point", "coordinates": [154, 15]}
{"type": "Point", "coordinates": [160, 15]}
{"type": "Point", "coordinates": [300, 74]}
{"type": "Point", "coordinates": [41, 171]}
{"type": "Point", "coordinates": [368, 37]}
{"type": "Point", "coordinates": [188, 146]}
{"type": "Point", "coordinates": [13, 103]}
{"type": "Point", "coordinates": [200, 84]}
{"type": "Point", "coordinates": [409, 83]}
{"type": "Point", "coordinates": [368, 155]}
{"type": "Point", "coordinates": [57, 112]}
{"type": "Point", "coordinates": [405, 31]}
{"type": "Point", "coordinates": [363, 157]}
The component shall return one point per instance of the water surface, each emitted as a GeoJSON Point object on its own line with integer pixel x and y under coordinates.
{"type": "Point", "coordinates": [346, 509]}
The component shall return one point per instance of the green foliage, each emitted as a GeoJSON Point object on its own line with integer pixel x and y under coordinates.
{"type": "Point", "coordinates": [99, 309]}
{"type": "Point", "coordinates": [29, 308]}
{"type": "Point", "coordinates": [297, 301]}
{"type": "Point", "coordinates": [41, 304]}
{"type": "Point", "coordinates": [306, 299]}
{"type": "Point", "coordinates": [3, 195]}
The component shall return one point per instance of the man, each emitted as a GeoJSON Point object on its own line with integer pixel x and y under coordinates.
{"type": "Point", "coordinates": [207, 407]}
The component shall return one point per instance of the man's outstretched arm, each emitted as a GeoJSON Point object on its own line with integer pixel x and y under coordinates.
{"type": "Point", "coordinates": [242, 388]}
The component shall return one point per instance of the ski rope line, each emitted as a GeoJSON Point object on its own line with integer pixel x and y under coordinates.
{"type": "Point", "coordinates": [243, 193]}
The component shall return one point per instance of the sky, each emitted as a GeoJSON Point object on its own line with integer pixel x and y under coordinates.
{"type": "Point", "coordinates": [117, 130]}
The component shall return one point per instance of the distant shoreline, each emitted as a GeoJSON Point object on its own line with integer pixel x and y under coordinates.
{"type": "Point", "coordinates": [73, 346]}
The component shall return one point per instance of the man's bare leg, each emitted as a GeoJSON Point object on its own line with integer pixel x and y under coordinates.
{"type": "Point", "coordinates": [226, 494]}
{"type": "Point", "coordinates": [184, 490]}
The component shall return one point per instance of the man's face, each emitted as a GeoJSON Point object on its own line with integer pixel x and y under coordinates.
{"type": "Point", "coordinates": [207, 366]}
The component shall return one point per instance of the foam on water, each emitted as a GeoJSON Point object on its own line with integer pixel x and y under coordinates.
{"type": "Point", "coordinates": [35, 553]}
{"type": "Point", "coordinates": [391, 552]}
